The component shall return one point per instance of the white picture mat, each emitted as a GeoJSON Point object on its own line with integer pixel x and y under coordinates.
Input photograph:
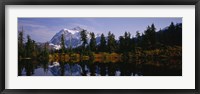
{"type": "Point", "coordinates": [186, 81]}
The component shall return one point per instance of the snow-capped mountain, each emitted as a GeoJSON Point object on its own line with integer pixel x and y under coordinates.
{"type": "Point", "coordinates": [72, 37]}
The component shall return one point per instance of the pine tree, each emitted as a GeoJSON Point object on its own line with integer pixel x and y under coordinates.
{"type": "Point", "coordinates": [63, 43]}
{"type": "Point", "coordinates": [127, 43]}
{"type": "Point", "coordinates": [84, 38]}
{"type": "Point", "coordinates": [20, 44]}
{"type": "Point", "coordinates": [132, 44]}
{"type": "Point", "coordinates": [92, 42]}
{"type": "Point", "coordinates": [147, 34]}
{"type": "Point", "coordinates": [111, 42]}
{"type": "Point", "coordinates": [138, 38]}
{"type": "Point", "coordinates": [153, 35]}
{"type": "Point", "coordinates": [46, 52]}
{"type": "Point", "coordinates": [150, 36]}
{"type": "Point", "coordinates": [102, 43]}
{"type": "Point", "coordinates": [28, 46]}
{"type": "Point", "coordinates": [137, 34]}
{"type": "Point", "coordinates": [178, 34]}
{"type": "Point", "coordinates": [172, 33]}
{"type": "Point", "coordinates": [121, 44]}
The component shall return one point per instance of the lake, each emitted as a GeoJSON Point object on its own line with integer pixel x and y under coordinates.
{"type": "Point", "coordinates": [134, 67]}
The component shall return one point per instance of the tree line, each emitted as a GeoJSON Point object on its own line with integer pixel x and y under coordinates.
{"type": "Point", "coordinates": [30, 49]}
{"type": "Point", "coordinates": [149, 40]}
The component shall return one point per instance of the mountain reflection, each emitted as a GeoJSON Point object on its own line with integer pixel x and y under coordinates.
{"type": "Point", "coordinates": [139, 67]}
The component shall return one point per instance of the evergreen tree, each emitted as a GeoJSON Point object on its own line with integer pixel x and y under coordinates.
{"type": "Point", "coordinates": [150, 36]}
{"type": "Point", "coordinates": [153, 35]}
{"type": "Point", "coordinates": [20, 44]}
{"type": "Point", "coordinates": [137, 34]}
{"type": "Point", "coordinates": [178, 34]}
{"type": "Point", "coordinates": [132, 44]}
{"type": "Point", "coordinates": [92, 42]}
{"type": "Point", "coordinates": [160, 37]}
{"type": "Point", "coordinates": [144, 41]}
{"type": "Point", "coordinates": [138, 38]}
{"type": "Point", "coordinates": [127, 44]}
{"type": "Point", "coordinates": [121, 43]}
{"type": "Point", "coordinates": [172, 33]}
{"type": "Point", "coordinates": [33, 49]}
{"type": "Point", "coordinates": [63, 43]}
{"type": "Point", "coordinates": [83, 38]}
{"type": "Point", "coordinates": [28, 46]}
{"type": "Point", "coordinates": [102, 43]}
{"type": "Point", "coordinates": [147, 34]}
{"type": "Point", "coordinates": [20, 39]}
{"type": "Point", "coordinates": [111, 42]}
{"type": "Point", "coordinates": [46, 52]}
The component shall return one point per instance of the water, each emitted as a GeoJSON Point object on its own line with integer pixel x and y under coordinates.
{"type": "Point", "coordinates": [141, 67]}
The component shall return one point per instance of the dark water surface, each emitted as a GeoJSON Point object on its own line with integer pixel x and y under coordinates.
{"type": "Point", "coordinates": [141, 67]}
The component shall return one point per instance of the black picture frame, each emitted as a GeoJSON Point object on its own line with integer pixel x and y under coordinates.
{"type": "Point", "coordinates": [3, 3]}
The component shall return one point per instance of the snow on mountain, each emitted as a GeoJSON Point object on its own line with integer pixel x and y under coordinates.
{"type": "Point", "coordinates": [72, 37]}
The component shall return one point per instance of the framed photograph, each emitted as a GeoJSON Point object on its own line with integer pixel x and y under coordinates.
{"type": "Point", "coordinates": [139, 46]}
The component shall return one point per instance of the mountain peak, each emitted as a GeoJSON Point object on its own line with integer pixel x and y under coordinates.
{"type": "Point", "coordinates": [72, 31]}
{"type": "Point", "coordinates": [77, 28]}
{"type": "Point", "coordinates": [66, 31]}
{"type": "Point", "coordinates": [72, 38]}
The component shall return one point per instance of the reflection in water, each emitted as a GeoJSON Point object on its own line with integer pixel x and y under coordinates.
{"type": "Point", "coordinates": [140, 67]}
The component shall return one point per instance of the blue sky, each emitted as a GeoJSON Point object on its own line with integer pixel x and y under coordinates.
{"type": "Point", "coordinates": [43, 29]}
